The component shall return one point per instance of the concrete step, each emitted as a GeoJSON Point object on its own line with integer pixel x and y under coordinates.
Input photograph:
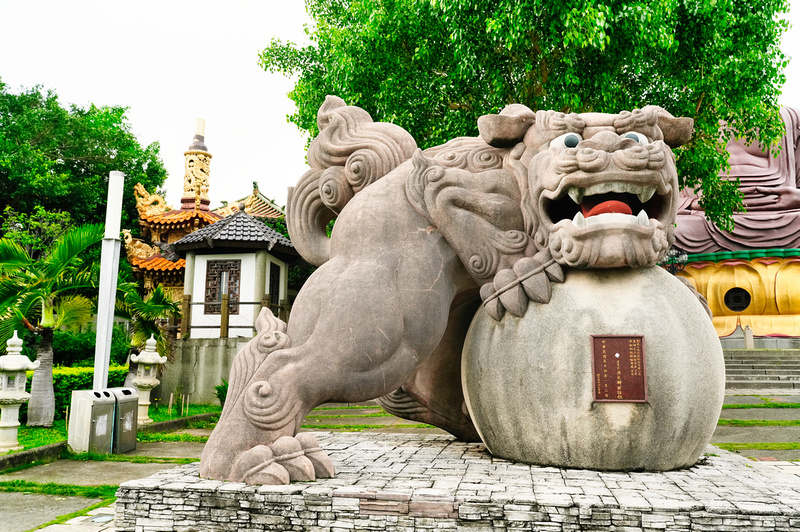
{"type": "Point", "coordinates": [761, 352]}
{"type": "Point", "coordinates": [770, 371]}
{"type": "Point", "coordinates": [764, 358]}
{"type": "Point", "coordinates": [760, 365]}
{"type": "Point", "coordinates": [761, 384]}
{"type": "Point", "coordinates": [760, 360]}
{"type": "Point", "coordinates": [763, 378]}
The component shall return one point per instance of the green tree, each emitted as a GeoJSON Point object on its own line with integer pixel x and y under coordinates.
{"type": "Point", "coordinates": [58, 158]}
{"type": "Point", "coordinates": [43, 295]}
{"type": "Point", "coordinates": [147, 315]}
{"type": "Point", "coordinates": [37, 231]}
{"type": "Point", "coordinates": [434, 66]}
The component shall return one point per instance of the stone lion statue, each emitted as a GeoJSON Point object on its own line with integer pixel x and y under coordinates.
{"type": "Point", "coordinates": [422, 239]}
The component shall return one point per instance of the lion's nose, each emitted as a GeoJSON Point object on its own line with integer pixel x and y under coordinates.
{"type": "Point", "coordinates": [604, 141]}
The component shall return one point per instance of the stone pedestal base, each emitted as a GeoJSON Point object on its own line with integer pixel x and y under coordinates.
{"type": "Point", "coordinates": [410, 482]}
{"type": "Point", "coordinates": [9, 425]}
{"type": "Point", "coordinates": [143, 414]}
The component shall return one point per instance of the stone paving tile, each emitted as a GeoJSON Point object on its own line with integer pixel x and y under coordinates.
{"type": "Point", "coordinates": [405, 476]}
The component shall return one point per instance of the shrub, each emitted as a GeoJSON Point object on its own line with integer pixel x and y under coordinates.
{"type": "Point", "coordinates": [67, 379]}
{"type": "Point", "coordinates": [221, 391]}
{"type": "Point", "coordinates": [77, 348]}
{"type": "Point", "coordinates": [70, 348]}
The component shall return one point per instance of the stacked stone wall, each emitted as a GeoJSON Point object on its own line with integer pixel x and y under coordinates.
{"type": "Point", "coordinates": [406, 482]}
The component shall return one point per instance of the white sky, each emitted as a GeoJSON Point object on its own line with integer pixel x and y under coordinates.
{"type": "Point", "coordinates": [171, 61]}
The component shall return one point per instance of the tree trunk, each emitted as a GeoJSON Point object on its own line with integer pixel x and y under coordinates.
{"type": "Point", "coordinates": [42, 405]}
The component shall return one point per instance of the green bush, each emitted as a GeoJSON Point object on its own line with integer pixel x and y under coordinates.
{"type": "Point", "coordinates": [77, 348]}
{"type": "Point", "coordinates": [221, 391]}
{"type": "Point", "coordinates": [70, 348]}
{"type": "Point", "coordinates": [65, 380]}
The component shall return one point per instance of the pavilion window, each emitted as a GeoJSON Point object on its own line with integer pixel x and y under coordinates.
{"type": "Point", "coordinates": [222, 274]}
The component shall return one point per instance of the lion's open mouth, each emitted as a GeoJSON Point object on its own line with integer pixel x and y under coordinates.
{"type": "Point", "coordinates": [624, 201]}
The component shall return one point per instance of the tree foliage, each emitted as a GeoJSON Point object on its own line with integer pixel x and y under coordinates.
{"type": "Point", "coordinates": [42, 295]}
{"type": "Point", "coordinates": [58, 158]}
{"type": "Point", "coordinates": [434, 66]}
{"type": "Point", "coordinates": [34, 232]}
{"type": "Point", "coordinates": [147, 315]}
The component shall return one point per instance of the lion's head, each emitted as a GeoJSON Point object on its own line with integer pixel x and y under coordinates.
{"type": "Point", "coordinates": [601, 188]}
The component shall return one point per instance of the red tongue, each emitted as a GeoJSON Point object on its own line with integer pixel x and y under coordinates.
{"type": "Point", "coordinates": [605, 207]}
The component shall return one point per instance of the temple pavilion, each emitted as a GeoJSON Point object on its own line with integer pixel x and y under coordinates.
{"type": "Point", "coordinates": [153, 257]}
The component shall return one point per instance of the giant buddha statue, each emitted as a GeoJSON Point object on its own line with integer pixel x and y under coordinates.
{"type": "Point", "coordinates": [771, 186]}
{"type": "Point", "coordinates": [751, 275]}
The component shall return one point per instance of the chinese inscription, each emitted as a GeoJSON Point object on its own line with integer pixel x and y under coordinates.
{"type": "Point", "coordinates": [618, 363]}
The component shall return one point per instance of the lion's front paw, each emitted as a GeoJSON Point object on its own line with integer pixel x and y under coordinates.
{"type": "Point", "coordinates": [287, 459]}
{"type": "Point", "coordinates": [529, 279]}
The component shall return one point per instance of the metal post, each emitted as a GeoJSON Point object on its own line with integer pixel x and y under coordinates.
{"type": "Point", "coordinates": [109, 266]}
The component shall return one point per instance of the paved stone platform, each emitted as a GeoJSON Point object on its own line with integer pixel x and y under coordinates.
{"type": "Point", "coordinates": [410, 482]}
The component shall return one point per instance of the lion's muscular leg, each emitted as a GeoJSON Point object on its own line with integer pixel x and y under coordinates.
{"type": "Point", "coordinates": [361, 334]}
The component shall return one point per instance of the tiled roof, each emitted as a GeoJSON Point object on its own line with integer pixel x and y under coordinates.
{"type": "Point", "coordinates": [263, 208]}
{"type": "Point", "coordinates": [256, 204]}
{"type": "Point", "coordinates": [181, 217]}
{"type": "Point", "coordinates": [238, 227]}
{"type": "Point", "coordinates": [158, 263]}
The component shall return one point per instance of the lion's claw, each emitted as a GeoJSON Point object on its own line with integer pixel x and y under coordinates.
{"type": "Point", "coordinates": [287, 460]}
{"type": "Point", "coordinates": [258, 466]}
{"type": "Point", "coordinates": [323, 467]}
{"type": "Point", "coordinates": [528, 280]}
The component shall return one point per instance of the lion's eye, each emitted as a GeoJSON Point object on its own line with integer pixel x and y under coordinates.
{"type": "Point", "coordinates": [568, 140]}
{"type": "Point", "coordinates": [636, 137]}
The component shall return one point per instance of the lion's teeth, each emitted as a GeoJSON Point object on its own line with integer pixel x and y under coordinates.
{"type": "Point", "coordinates": [579, 220]}
{"type": "Point", "coordinates": [643, 219]}
{"type": "Point", "coordinates": [576, 194]}
{"type": "Point", "coordinates": [646, 194]}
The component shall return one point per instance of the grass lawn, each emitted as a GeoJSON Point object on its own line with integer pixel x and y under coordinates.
{"type": "Point", "coordinates": [160, 412]}
{"type": "Point", "coordinates": [32, 437]}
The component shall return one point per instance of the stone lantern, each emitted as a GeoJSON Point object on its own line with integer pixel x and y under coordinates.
{"type": "Point", "coordinates": [12, 392]}
{"type": "Point", "coordinates": [148, 362]}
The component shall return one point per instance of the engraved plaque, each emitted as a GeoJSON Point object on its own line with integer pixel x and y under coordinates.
{"type": "Point", "coordinates": [618, 368]}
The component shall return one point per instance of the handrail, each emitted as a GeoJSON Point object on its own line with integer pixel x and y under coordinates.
{"type": "Point", "coordinates": [281, 310]}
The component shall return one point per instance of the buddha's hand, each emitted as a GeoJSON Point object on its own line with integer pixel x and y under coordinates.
{"type": "Point", "coordinates": [772, 199]}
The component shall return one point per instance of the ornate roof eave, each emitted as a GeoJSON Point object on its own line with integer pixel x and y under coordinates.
{"type": "Point", "coordinates": [180, 218]}
{"type": "Point", "coordinates": [232, 245]}
{"type": "Point", "coordinates": [158, 264]}
{"type": "Point", "coordinates": [256, 205]}
{"type": "Point", "coordinates": [239, 230]}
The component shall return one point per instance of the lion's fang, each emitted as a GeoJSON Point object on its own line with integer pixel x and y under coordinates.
{"type": "Point", "coordinates": [576, 194]}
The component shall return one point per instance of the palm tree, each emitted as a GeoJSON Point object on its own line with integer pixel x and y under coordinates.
{"type": "Point", "coordinates": [146, 316]}
{"type": "Point", "coordinates": [43, 295]}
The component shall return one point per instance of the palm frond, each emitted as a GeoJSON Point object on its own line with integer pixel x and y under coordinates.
{"type": "Point", "coordinates": [74, 312]}
{"type": "Point", "coordinates": [18, 295]}
{"type": "Point", "coordinates": [12, 256]}
{"type": "Point", "coordinates": [71, 280]}
{"type": "Point", "coordinates": [68, 246]}
{"type": "Point", "coordinates": [157, 305]}
{"type": "Point", "coordinates": [7, 327]}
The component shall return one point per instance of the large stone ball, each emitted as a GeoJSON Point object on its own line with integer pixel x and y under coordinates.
{"type": "Point", "coordinates": [528, 381]}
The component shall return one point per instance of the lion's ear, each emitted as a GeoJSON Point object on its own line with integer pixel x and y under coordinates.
{"type": "Point", "coordinates": [677, 131]}
{"type": "Point", "coordinates": [507, 128]}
